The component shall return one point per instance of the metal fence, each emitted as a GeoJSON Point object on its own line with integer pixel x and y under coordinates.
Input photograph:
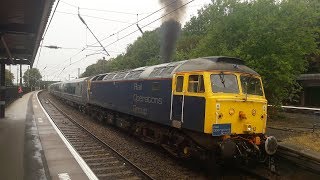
{"type": "Point", "coordinates": [12, 93]}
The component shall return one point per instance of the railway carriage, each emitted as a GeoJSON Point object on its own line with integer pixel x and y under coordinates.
{"type": "Point", "coordinates": [72, 91]}
{"type": "Point", "coordinates": [188, 107]}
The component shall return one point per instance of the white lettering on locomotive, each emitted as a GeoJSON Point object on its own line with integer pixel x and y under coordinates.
{"type": "Point", "coordinates": [147, 99]}
{"type": "Point", "coordinates": [137, 86]}
{"type": "Point", "coordinates": [139, 110]}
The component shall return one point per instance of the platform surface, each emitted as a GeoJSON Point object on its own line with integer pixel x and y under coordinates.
{"type": "Point", "coordinates": [12, 134]}
{"type": "Point", "coordinates": [30, 147]}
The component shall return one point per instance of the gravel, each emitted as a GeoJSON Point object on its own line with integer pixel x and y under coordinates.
{"type": "Point", "coordinates": [152, 159]}
{"type": "Point", "coordinates": [296, 129]}
{"type": "Point", "coordinates": [159, 163]}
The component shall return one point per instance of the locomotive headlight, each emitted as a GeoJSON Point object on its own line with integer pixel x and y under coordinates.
{"type": "Point", "coordinates": [231, 111]}
{"type": "Point", "coordinates": [264, 108]}
{"type": "Point", "coordinates": [242, 115]}
{"type": "Point", "coordinates": [254, 112]}
{"type": "Point", "coordinates": [247, 128]}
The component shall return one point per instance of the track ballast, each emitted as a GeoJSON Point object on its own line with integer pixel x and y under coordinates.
{"type": "Point", "coordinates": [103, 160]}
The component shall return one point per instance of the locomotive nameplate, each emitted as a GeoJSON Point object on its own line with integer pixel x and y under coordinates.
{"type": "Point", "coordinates": [221, 129]}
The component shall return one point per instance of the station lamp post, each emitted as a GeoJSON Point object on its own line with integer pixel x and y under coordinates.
{"type": "Point", "coordinates": [2, 90]}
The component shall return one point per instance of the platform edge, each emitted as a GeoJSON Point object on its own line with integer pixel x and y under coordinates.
{"type": "Point", "coordinates": [86, 169]}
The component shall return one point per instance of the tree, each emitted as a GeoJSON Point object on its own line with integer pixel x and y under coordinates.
{"type": "Point", "coordinates": [144, 51]}
{"type": "Point", "coordinates": [102, 66]}
{"type": "Point", "coordinates": [8, 78]}
{"type": "Point", "coordinates": [278, 39]}
{"type": "Point", "coordinates": [32, 77]}
{"type": "Point", "coordinates": [272, 37]}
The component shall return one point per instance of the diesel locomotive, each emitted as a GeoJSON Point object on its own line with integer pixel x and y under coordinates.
{"type": "Point", "coordinates": [210, 105]}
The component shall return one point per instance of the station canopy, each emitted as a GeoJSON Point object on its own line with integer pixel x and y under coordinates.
{"type": "Point", "coordinates": [22, 24]}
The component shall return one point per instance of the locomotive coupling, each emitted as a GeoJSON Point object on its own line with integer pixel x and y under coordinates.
{"type": "Point", "coordinates": [271, 145]}
{"type": "Point", "coordinates": [228, 148]}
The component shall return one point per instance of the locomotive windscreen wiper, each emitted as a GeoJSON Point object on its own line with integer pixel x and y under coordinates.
{"type": "Point", "coordinates": [246, 85]}
{"type": "Point", "coordinates": [221, 75]}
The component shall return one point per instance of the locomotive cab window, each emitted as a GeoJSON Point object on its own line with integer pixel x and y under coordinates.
{"type": "Point", "coordinates": [224, 83]}
{"type": "Point", "coordinates": [179, 84]}
{"type": "Point", "coordinates": [251, 85]}
{"type": "Point", "coordinates": [196, 84]}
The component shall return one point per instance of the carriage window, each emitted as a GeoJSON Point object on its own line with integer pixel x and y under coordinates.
{"type": "Point", "coordinates": [179, 84]}
{"type": "Point", "coordinates": [80, 89]}
{"type": "Point", "coordinates": [196, 84]}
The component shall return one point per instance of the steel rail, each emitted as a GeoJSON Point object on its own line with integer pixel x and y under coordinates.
{"type": "Point", "coordinates": [146, 175]}
{"type": "Point", "coordinates": [302, 160]}
{"type": "Point", "coordinates": [309, 162]}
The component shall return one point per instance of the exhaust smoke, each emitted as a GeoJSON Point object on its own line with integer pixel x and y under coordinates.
{"type": "Point", "coordinates": [171, 27]}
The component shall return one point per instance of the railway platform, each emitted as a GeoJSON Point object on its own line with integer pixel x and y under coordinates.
{"type": "Point", "coordinates": [32, 147]}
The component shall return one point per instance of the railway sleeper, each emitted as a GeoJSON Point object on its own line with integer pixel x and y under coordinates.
{"type": "Point", "coordinates": [175, 142]}
{"type": "Point", "coordinates": [103, 163]}
{"type": "Point", "coordinates": [109, 168]}
{"type": "Point", "coordinates": [98, 155]}
{"type": "Point", "coordinates": [104, 158]}
{"type": "Point", "coordinates": [115, 174]}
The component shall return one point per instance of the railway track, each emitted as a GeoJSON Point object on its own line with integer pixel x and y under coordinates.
{"type": "Point", "coordinates": [310, 129]}
{"type": "Point", "coordinates": [103, 160]}
{"type": "Point", "coordinates": [300, 159]}
{"type": "Point", "coordinates": [84, 146]}
{"type": "Point", "coordinates": [286, 164]}
{"type": "Point", "coordinates": [262, 173]}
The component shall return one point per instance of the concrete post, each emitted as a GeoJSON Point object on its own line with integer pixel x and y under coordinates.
{"type": "Point", "coordinates": [302, 97]}
{"type": "Point", "coordinates": [21, 75]}
{"type": "Point", "coordinates": [2, 90]}
{"type": "Point", "coordinates": [17, 75]}
{"type": "Point", "coordinates": [28, 76]}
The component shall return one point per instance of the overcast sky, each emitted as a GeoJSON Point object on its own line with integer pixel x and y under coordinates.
{"type": "Point", "coordinates": [104, 18]}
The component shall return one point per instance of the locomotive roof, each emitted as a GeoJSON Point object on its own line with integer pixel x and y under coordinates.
{"type": "Point", "coordinates": [212, 63]}
{"type": "Point", "coordinates": [166, 70]}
